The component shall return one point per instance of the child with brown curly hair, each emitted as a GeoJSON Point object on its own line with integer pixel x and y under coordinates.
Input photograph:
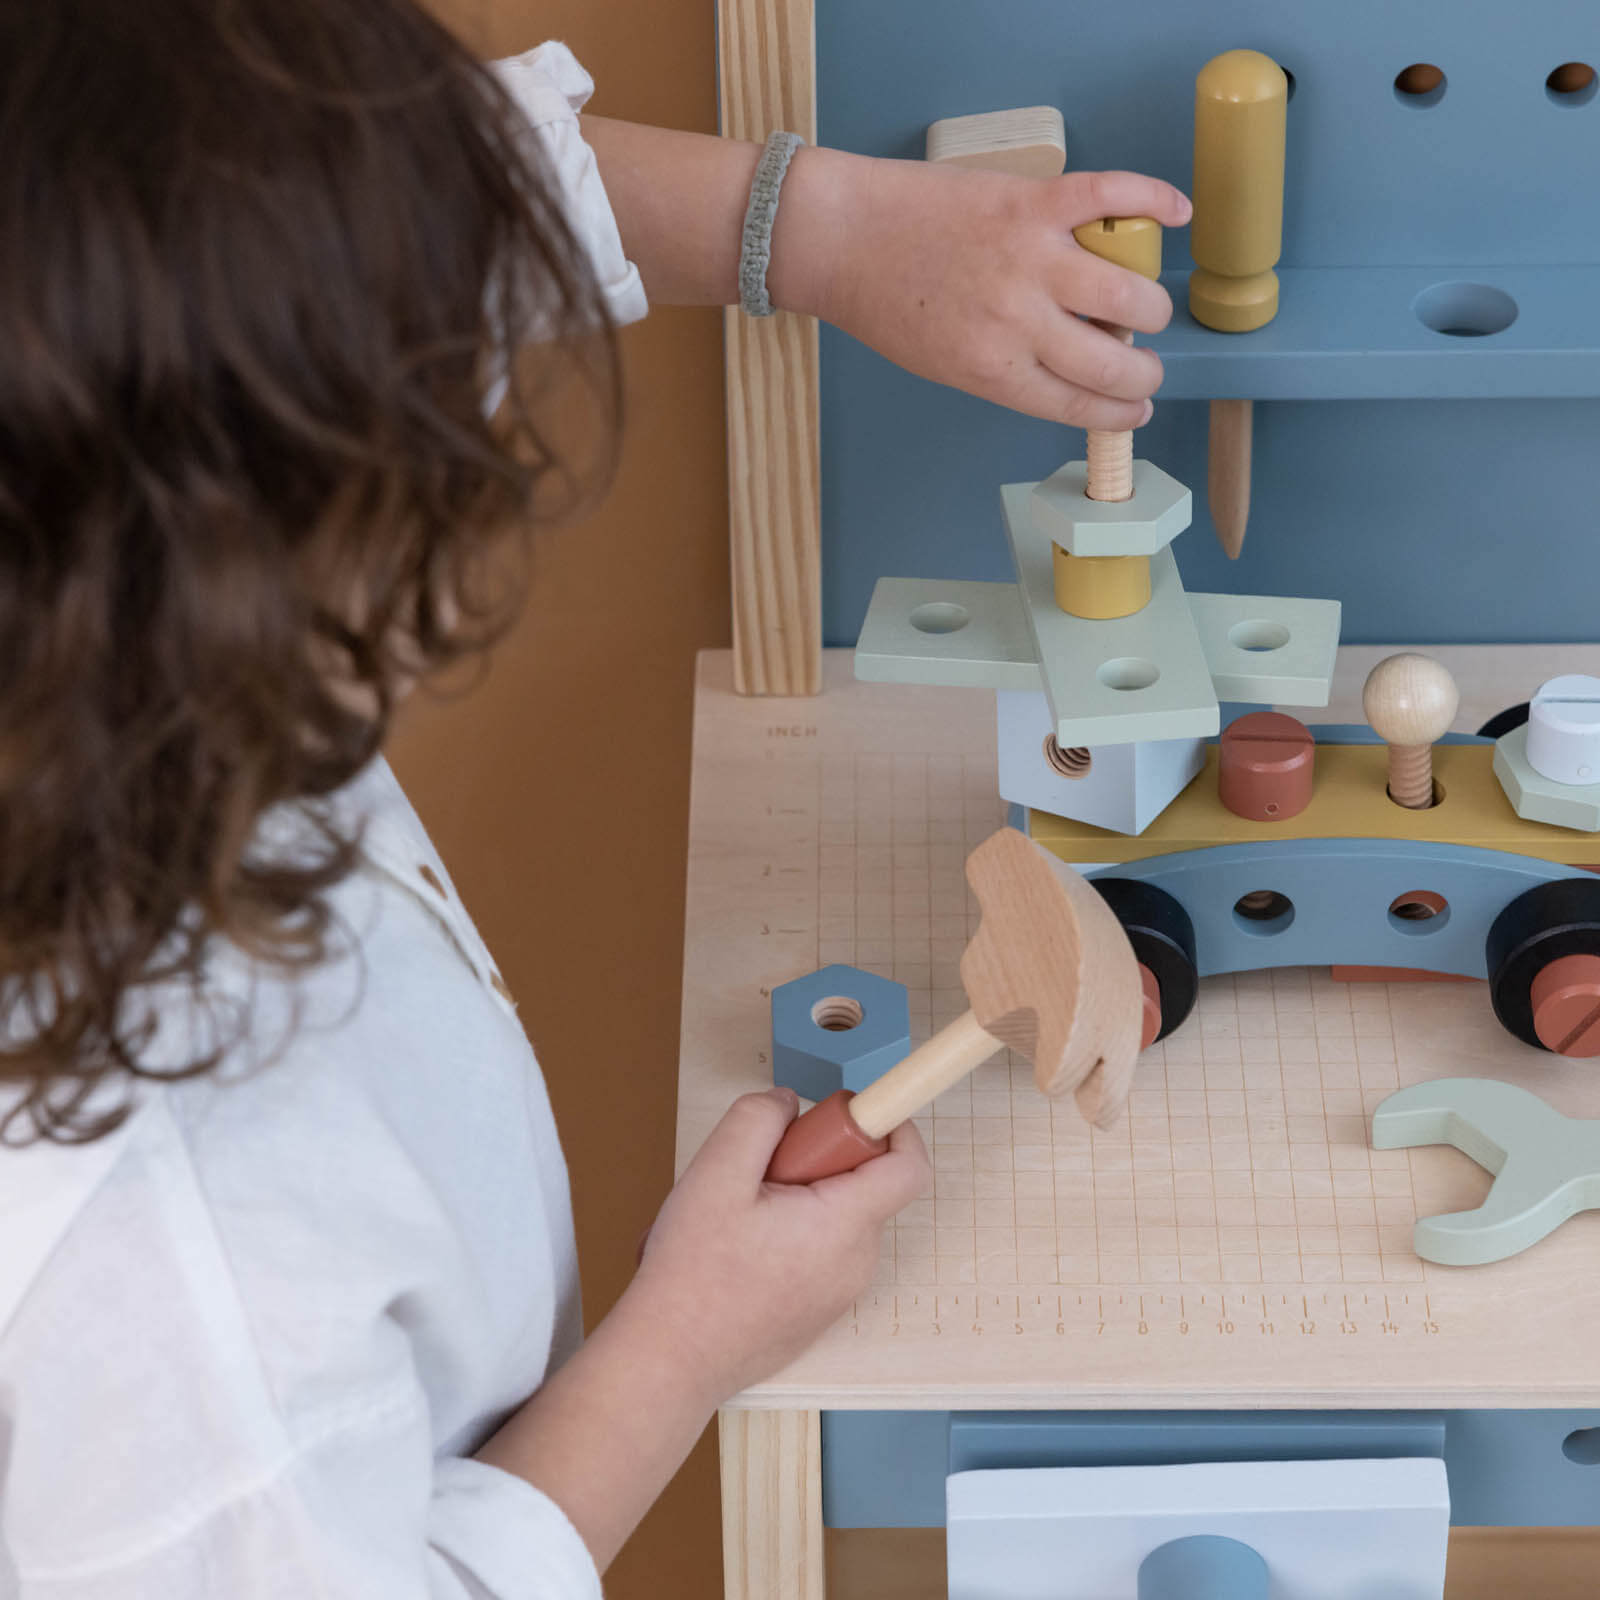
{"type": "Point", "coordinates": [308, 320]}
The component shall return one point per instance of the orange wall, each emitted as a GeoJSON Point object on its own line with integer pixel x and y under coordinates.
{"type": "Point", "coordinates": [557, 789]}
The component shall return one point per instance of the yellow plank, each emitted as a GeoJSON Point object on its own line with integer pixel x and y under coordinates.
{"type": "Point", "coordinates": [1350, 802]}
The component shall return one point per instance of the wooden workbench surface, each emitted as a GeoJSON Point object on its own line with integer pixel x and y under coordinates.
{"type": "Point", "coordinates": [1233, 1241]}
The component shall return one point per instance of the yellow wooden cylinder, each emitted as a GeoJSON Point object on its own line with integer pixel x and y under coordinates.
{"type": "Point", "coordinates": [1132, 242]}
{"type": "Point", "coordinates": [1100, 587]}
{"type": "Point", "coordinates": [1241, 103]}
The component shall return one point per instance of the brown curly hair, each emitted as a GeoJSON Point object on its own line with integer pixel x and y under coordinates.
{"type": "Point", "coordinates": [261, 261]}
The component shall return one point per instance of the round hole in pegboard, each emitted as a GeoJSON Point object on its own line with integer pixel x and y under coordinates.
{"type": "Point", "coordinates": [838, 1013]}
{"type": "Point", "coordinates": [1573, 83]}
{"type": "Point", "coordinates": [1437, 800]}
{"type": "Point", "coordinates": [1127, 672]}
{"type": "Point", "coordinates": [1073, 762]}
{"type": "Point", "coordinates": [1291, 81]}
{"type": "Point", "coordinates": [940, 616]}
{"type": "Point", "coordinates": [1582, 1447]}
{"type": "Point", "coordinates": [1418, 912]}
{"type": "Point", "coordinates": [1263, 913]}
{"type": "Point", "coordinates": [1465, 310]}
{"type": "Point", "coordinates": [1258, 633]}
{"type": "Point", "coordinates": [1420, 85]}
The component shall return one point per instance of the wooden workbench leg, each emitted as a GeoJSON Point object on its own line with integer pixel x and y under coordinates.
{"type": "Point", "coordinates": [771, 1505]}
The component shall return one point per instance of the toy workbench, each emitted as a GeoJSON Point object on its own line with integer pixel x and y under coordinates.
{"type": "Point", "coordinates": [1292, 1295]}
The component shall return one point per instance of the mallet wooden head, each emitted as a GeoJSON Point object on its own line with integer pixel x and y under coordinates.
{"type": "Point", "coordinates": [1051, 974]}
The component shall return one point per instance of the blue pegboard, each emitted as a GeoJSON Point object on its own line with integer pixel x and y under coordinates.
{"type": "Point", "coordinates": [1411, 512]}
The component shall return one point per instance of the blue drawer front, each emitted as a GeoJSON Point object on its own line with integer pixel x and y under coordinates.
{"type": "Point", "coordinates": [886, 1469]}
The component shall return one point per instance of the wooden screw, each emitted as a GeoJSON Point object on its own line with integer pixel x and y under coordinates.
{"type": "Point", "coordinates": [1410, 700]}
{"type": "Point", "coordinates": [1135, 243]}
{"type": "Point", "coordinates": [1110, 586]}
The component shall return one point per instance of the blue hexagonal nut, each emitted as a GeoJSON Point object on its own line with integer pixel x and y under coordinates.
{"type": "Point", "coordinates": [838, 1028]}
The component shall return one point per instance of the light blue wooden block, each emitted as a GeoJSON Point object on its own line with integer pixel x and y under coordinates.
{"type": "Point", "coordinates": [1159, 509]}
{"type": "Point", "coordinates": [1542, 799]}
{"type": "Point", "coordinates": [1328, 1530]}
{"type": "Point", "coordinates": [1546, 1166]}
{"type": "Point", "coordinates": [1125, 787]}
{"type": "Point", "coordinates": [1112, 682]}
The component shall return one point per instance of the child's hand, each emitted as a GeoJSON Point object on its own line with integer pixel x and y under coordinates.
{"type": "Point", "coordinates": [745, 1274]}
{"type": "Point", "coordinates": [974, 279]}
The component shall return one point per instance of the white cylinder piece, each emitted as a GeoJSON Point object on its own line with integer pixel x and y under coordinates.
{"type": "Point", "coordinates": [1564, 730]}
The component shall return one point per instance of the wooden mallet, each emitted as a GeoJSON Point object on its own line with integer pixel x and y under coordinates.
{"type": "Point", "coordinates": [1050, 973]}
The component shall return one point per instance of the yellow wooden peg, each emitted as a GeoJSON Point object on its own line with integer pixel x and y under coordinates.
{"type": "Point", "coordinates": [1240, 119]}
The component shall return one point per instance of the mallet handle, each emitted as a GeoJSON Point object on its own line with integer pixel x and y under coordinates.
{"type": "Point", "coordinates": [923, 1076]}
{"type": "Point", "coordinates": [844, 1131]}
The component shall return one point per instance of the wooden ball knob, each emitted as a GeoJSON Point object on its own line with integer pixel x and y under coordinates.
{"type": "Point", "coordinates": [1410, 700]}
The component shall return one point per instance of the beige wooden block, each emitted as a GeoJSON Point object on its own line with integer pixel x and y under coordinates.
{"type": "Point", "coordinates": [1030, 142]}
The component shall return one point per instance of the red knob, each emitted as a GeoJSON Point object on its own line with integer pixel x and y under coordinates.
{"type": "Point", "coordinates": [1566, 1006]}
{"type": "Point", "coordinates": [824, 1141]}
{"type": "Point", "coordinates": [1265, 772]}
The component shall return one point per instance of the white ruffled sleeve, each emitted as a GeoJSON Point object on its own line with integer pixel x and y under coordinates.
{"type": "Point", "coordinates": [551, 89]}
{"type": "Point", "coordinates": [507, 1536]}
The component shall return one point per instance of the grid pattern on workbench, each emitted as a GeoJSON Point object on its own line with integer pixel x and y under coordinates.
{"type": "Point", "coordinates": [1243, 1156]}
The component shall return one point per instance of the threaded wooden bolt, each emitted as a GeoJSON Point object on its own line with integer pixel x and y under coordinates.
{"type": "Point", "coordinates": [1110, 453]}
{"type": "Point", "coordinates": [1410, 700]}
{"type": "Point", "coordinates": [1133, 242]}
{"type": "Point", "coordinates": [1110, 586]}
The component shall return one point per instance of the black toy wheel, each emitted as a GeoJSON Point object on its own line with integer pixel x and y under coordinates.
{"type": "Point", "coordinates": [1541, 925]}
{"type": "Point", "coordinates": [1162, 937]}
{"type": "Point", "coordinates": [1502, 722]}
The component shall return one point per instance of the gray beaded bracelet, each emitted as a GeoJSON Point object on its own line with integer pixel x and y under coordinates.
{"type": "Point", "coordinates": [755, 254]}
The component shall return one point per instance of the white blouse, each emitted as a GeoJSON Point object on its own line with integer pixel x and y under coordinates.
{"type": "Point", "coordinates": [551, 89]}
{"type": "Point", "coordinates": [249, 1342]}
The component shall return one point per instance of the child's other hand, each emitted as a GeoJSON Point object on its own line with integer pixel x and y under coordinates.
{"type": "Point", "coordinates": [974, 279]}
{"type": "Point", "coordinates": [745, 1274]}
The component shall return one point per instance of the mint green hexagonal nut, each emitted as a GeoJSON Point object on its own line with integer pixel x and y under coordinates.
{"type": "Point", "coordinates": [1158, 511]}
{"type": "Point", "coordinates": [838, 1028]}
{"type": "Point", "coordinates": [1537, 798]}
